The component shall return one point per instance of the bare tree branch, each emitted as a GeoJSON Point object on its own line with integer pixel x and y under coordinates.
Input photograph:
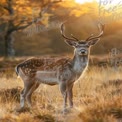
{"type": "Point", "coordinates": [4, 7]}
{"type": "Point", "coordinates": [8, 7]}
{"type": "Point", "coordinates": [23, 26]}
{"type": "Point", "coordinates": [46, 6]}
{"type": "Point", "coordinates": [20, 22]}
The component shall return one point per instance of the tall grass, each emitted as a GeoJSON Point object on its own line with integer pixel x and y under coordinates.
{"type": "Point", "coordinates": [97, 98]}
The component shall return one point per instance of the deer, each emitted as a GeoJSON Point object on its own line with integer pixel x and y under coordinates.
{"type": "Point", "coordinates": [63, 72]}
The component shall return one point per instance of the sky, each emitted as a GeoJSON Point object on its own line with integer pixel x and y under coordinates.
{"type": "Point", "coordinates": [113, 2]}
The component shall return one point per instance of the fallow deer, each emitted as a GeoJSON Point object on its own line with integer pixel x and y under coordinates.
{"type": "Point", "coordinates": [63, 72]}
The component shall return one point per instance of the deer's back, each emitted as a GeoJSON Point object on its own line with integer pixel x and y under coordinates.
{"type": "Point", "coordinates": [31, 66]}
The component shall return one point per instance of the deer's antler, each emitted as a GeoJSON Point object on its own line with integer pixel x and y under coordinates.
{"type": "Point", "coordinates": [62, 33]}
{"type": "Point", "coordinates": [101, 29]}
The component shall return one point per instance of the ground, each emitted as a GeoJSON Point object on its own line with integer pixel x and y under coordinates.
{"type": "Point", "coordinates": [97, 98]}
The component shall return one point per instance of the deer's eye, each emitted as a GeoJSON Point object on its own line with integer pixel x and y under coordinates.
{"type": "Point", "coordinates": [77, 46]}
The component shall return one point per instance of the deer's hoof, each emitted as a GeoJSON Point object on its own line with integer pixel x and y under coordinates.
{"type": "Point", "coordinates": [22, 109]}
{"type": "Point", "coordinates": [19, 109]}
{"type": "Point", "coordinates": [65, 111]}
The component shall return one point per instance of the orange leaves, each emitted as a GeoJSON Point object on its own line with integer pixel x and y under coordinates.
{"type": "Point", "coordinates": [2, 1]}
{"type": "Point", "coordinates": [31, 9]}
{"type": "Point", "coordinates": [45, 19]}
{"type": "Point", "coordinates": [78, 9]}
{"type": "Point", "coordinates": [22, 2]}
{"type": "Point", "coordinates": [77, 13]}
{"type": "Point", "coordinates": [68, 4]}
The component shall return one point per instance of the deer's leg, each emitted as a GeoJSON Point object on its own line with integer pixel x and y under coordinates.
{"type": "Point", "coordinates": [21, 99]}
{"type": "Point", "coordinates": [65, 100]}
{"type": "Point", "coordinates": [29, 94]}
{"type": "Point", "coordinates": [27, 87]}
{"type": "Point", "coordinates": [70, 96]}
{"type": "Point", "coordinates": [64, 94]}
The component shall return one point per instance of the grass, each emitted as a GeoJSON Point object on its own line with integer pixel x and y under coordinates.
{"type": "Point", "coordinates": [97, 98]}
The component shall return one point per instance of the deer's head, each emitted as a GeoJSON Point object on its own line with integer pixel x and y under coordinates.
{"type": "Point", "coordinates": [82, 46]}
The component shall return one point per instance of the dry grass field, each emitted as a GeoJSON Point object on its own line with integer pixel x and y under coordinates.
{"type": "Point", "coordinates": [97, 98]}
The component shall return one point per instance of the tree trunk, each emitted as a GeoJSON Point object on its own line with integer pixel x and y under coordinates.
{"type": "Point", "coordinates": [9, 45]}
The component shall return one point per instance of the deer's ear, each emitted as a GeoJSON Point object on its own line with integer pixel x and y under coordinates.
{"type": "Point", "coordinates": [93, 42]}
{"type": "Point", "coordinates": [71, 43]}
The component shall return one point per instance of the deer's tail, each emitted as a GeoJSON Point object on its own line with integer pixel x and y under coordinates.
{"type": "Point", "coordinates": [17, 69]}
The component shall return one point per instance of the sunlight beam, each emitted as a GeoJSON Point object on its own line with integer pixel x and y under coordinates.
{"type": "Point", "coordinates": [83, 1]}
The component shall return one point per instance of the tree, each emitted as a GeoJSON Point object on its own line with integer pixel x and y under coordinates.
{"type": "Point", "coordinates": [17, 15]}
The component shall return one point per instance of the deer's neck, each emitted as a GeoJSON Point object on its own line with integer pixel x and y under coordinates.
{"type": "Point", "coordinates": [79, 63]}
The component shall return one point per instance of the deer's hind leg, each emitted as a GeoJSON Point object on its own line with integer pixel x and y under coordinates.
{"type": "Point", "coordinates": [29, 94]}
{"type": "Point", "coordinates": [27, 86]}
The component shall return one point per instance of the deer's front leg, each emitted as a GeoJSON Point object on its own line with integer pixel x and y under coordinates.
{"type": "Point", "coordinates": [70, 95]}
{"type": "Point", "coordinates": [64, 94]}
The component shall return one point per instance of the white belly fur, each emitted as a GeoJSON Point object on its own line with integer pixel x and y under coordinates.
{"type": "Point", "coordinates": [47, 77]}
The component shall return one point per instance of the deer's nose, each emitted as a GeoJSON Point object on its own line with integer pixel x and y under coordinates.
{"type": "Point", "coordinates": [83, 51]}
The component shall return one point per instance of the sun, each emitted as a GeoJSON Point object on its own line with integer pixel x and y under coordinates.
{"type": "Point", "coordinates": [83, 1]}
